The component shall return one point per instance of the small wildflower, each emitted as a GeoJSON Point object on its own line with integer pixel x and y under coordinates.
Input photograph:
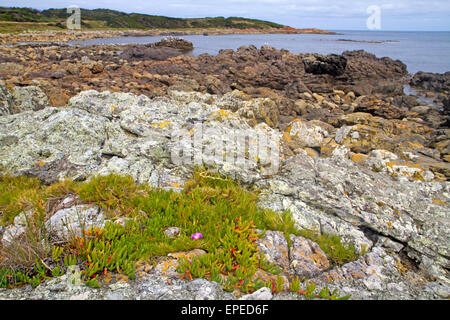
{"type": "Point", "coordinates": [197, 236]}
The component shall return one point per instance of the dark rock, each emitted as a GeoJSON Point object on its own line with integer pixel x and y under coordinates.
{"type": "Point", "coordinates": [175, 43]}
{"type": "Point", "coordinates": [331, 64]}
{"type": "Point", "coordinates": [49, 172]}
{"type": "Point", "coordinates": [137, 53]}
{"type": "Point", "coordinates": [431, 81]}
{"type": "Point", "coordinates": [58, 74]}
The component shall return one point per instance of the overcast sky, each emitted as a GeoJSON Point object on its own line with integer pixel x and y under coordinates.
{"type": "Point", "coordinates": [409, 15]}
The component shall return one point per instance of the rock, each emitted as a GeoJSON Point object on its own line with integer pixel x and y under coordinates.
{"type": "Point", "coordinates": [382, 160]}
{"type": "Point", "coordinates": [138, 53]}
{"type": "Point", "coordinates": [172, 232]}
{"type": "Point", "coordinates": [421, 109]}
{"type": "Point", "coordinates": [331, 64]}
{"type": "Point", "coordinates": [105, 103]}
{"type": "Point", "coordinates": [21, 99]}
{"type": "Point", "coordinates": [274, 249]}
{"type": "Point", "coordinates": [261, 294]}
{"type": "Point", "coordinates": [97, 68]}
{"type": "Point", "coordinates": [175, 43]}
{"type": "Point", "coordinates": [389, 244]}
{"type": "Point", "coordinates": [300, 134]}
{"type": "Point", "coordinates": [58, 74]}
{"type": "Point", "coordinates": [146, 287]}
{"type": "Point", "coordinates": [307, 260]}
{"type": "Point", "coordinates": [410, 101]}
{"type": "Point", "coordinates": [13, 232]}
{"type": "Point", "coordinates": [167, 266]}
{"type": "Point", "coordinates": [431, 81]}
{"type": "Point", "coordinates": [71, 222]}
{"type": "Point", "coordinates": [5, 101]}
{"type": "Point", "coordinates": [255, 110]}
{"type": "Point", "coordinates": [74, 133]}
{"type": "Point", "coordinates": [204, 290]}
{"type": "Point", "coordinates": [374, 276]}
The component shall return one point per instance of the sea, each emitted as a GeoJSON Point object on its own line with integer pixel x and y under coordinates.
{"type": "Point", "coordinates": [420, 51]}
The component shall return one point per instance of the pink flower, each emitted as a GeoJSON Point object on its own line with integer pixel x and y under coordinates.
{"type": "Point", "coordinates": [196, 236]}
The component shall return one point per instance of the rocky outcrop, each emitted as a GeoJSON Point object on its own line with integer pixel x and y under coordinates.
{"type": "Point", "coordinates": [175, 43]}
{"type": "Point", "coordinates": [146, 69]}
{"type": "Point", "coordinates": [362, 201]}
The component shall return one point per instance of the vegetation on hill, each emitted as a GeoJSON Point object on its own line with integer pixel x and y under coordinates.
{"type": "Point", "coordinates": [116, 19]}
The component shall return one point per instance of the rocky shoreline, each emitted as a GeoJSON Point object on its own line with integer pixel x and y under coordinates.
{"type": "Point", "coordinates": [358, 157]}
{"type": "Point", "coordinates": [75, 35]}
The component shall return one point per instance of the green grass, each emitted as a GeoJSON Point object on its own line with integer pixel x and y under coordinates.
{"type": "Point", "coordinates": [332, 245]}
{"type": "Point", "coordinates": [225, 213]}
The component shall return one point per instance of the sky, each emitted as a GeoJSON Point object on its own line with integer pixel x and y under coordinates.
{"type": "Point", "coordinates": [395, 15]}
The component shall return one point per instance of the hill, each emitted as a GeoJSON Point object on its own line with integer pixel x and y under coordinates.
{"type": "Point", "coordinates": [105, 18]}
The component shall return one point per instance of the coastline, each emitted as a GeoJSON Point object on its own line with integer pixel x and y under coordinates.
{"type": "Point", "coordinates": [72, 35]}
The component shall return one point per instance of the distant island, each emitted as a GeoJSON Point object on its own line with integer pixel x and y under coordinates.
{"type": "Point", "coordinates": [21, 19]}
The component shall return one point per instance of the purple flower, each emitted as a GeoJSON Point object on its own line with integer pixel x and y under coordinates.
{"type": "Point", "coordinates": [196, 236]}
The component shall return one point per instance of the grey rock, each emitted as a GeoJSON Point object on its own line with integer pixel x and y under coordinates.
{"type": "Point", "coordinates": [306, 258]}
{"type": "Point", "coordinates": [21, 99]}
{"type": "Point", "coordinates": [69, 222]}
{"type": "Point", "coordinates": [172, 232]}
{"type": "Point", "coordinates": [261, 294]}
{"type": "Point", "coordinates": [274, 247]}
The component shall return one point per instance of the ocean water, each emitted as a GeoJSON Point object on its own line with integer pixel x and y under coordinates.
{"type": "Point", "coordinates": [420, 51]}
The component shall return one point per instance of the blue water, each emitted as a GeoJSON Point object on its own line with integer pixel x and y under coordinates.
{"type": "Point", "coordinates": [420, 51]}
